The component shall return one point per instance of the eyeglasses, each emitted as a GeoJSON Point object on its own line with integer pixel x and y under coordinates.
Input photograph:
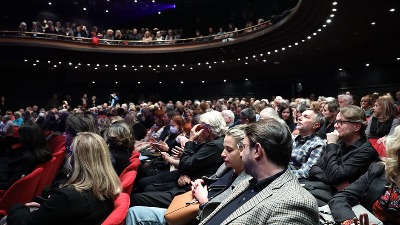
{"type": "Point", "coordinates": [242, 145]}
{"type": "Point", "coordinates": [340, 122]}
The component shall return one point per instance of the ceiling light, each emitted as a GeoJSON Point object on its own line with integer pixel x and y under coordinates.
{"type": "Point", "coordinates": [314, 34]}
{"type": "Point", "coordinates": [141, 66]}
{"type": "Point", "coordinates": [328, 21]}
{"type": "Point", "coordinates": [238, 59]}
{"type": "Point", "coordinates": [209, 67]}
{"type": "Point", "coordinates": [334, 3]}
{"type": "Point", "coordinates": [154, 69]}
{"type": "Point", "coordinates": [48, 61]}
{"type": "Point", "coordinates": [276, 50]}
{"type": "Point", "coordinates": [261, 54]}
{"type": "Point", "coordinates": [319, 30]}
{"type": "Point", "coordinates": [97, 65]}
{"type": "Point", "coordinates": [70, 63]}
{"type": "Point", "coordinates": [202, 81]}
{"type": "Point", "coordinates": [392, 10]}
{"type": "Point", "coordinates": [191, 68]}
{"type": "Point", "coordinates": [223, 61]}
{"type": "Point", "coordinates": [269, 53]}
{"type": "Point", "coordinates": [199, 64]}
{"type": "Point", "coordinates": [106, 65]}
{"type": "Point", "coordinates": [309, 37]}
{"type": "Point", "coordinates": [149, 66]}
{"type": "Point", "coordinates": [340, 69]}
{"type": "Point", "coordinates": [324, 25]}
{"type": "Point", "coordinates": [158, 65]}
{"type": "Point", "coordinates": [159, 13]}
{"type": "Point", "coordinates": [93, 82]}
{"type": "Point", "coordinates": [181, 82]}
{"type": "Point", "coordinates": [76, 67]}
{"type": "Point", "coordinates": [254, 56]}
{"type": "Point", "coordinates": [159, 82]}
{"type": "Point", "coordinates": [245, 63]}
{"type": "Point", "coordinates": [84, 9]}
{"type": "Point", "coordinates": [135, 69]}
{"type": "Point", "coordinates": [398, 58]}
{"type": "Point", "coordinates": [247, 57]}
{"type": "Point", "coordinates": [367, 64]}
{"type": "Point", "coordinates": [115, 65]}
{"type": "Point", "coordinates": [86, 64]}
{"type": "Point", "coordinates": [246, 79]}
{"type": "Point", "coordinates": [49, 3]}
{"type": "Point", "coordinates": [26, 60]}
{"type": "Point", "coordinates": [373, 23]}
{"type": "Point", "coordinates": [334, 10]}
{"type": "Point", "coordinates": [106, 10]}
{"type": "Point", "coordinates": [138, 82]}
{"type": "Point", "coordinates": [34, 64]}
{"type": "Point", "coordinates": [264, 60]}
{"type": "Point", "coordinates": [283, 49]}
{"type": "Point", "coordinates": [95, 68]}
{"type": "Point", "coordinates": [173, 68]}
{"type": "Point", "coordinates": [184, 64]}
{"type": "Point", "coordinates": [116, 69]}
{"type": "Point", "coordinates": [296, 43]}
{"type": "Point", "coordinates": [224, 80]}
{"type": "Point", "coordinates": [37, 60]}
{"type": "Point", "coordinates": [332, 15]}
{"type": "Point", "coordinates": [55, 66]}
{"type": "Point", "coordinates": [135, 0]}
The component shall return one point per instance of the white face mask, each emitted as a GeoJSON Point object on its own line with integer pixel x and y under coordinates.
{"type": "Point", "coordinates": [173, 129]}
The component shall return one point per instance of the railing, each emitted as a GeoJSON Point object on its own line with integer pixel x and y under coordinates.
{"type": "Point", "coordinates": [228, 36]}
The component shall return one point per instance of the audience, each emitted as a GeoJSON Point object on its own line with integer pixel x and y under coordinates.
{"type": "Point", "coordinates": [347, 156]}
{"type": "Point", "coordinates": [273, 195]}
{"type": "Point", "coordinates": [86, 198]}
{"type": "Point", "coordinates": [377, 190]}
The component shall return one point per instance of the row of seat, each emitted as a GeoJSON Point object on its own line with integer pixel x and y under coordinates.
{"type": "Point", "coordinates": [26, 188]}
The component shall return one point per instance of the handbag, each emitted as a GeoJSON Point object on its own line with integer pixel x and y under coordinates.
{"type": "Point", "coordinates": [182, 210]}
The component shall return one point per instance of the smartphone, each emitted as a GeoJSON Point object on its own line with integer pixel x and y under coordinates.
{"type": "Point", "coordinates": [39, 199]}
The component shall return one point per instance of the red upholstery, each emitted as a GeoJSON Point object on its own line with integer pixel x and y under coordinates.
{"type": "Point", "coordinates": [121, 206]}
{"type": "Point", "coordinates": [47, 177]}
{"type": "Point", "coordinates": [56, 143]}
{"type": "Point", "coordinates": [132, 167]}
{"type": "Point", "coordinates": [380, 148]}
{"type": "Point", "coordinates": [127, 181]}
{"type": "Point", "coordinates": [22, 191]}
{"type": "Point", "coordinates": [60, 155]}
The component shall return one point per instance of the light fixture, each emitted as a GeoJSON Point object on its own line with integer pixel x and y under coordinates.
{"type": "Point", "coordinates": [367, 64]}
{"type": "Point", "coordinates": [138, 82]}
{"type": "Point", "coordinates": [332, 15]}
{"type": "Point", "coordinates": [84, 9]}
{"type": "Point", "coordinates": [159, 82]}
{"type": "Point", "coordinates": [246, 79]}
{"type": "Point", "coordinates": [392, 10]}
{"type": "Point", "coordinates": [93, 82]}
{"type": "Point", "coordinates": [209, 67]}
{"type": "Point", "coordinates": [373, 23]}
{"type": "Point", "coordinates": [106, 10]}
{"type": "Point", "coordinates": [159, 13]}
{"type": "Point", "coordinates": [25, 60]}
{"type": "Point", "coordinates": [181, 82]}
{"type": "Point", "coordinates": [334, 3]}
{"type": "Point", "coordinates": [328, 21]}
{"type": "Point", "coordinates": [224, 80]}
{"type": "Point", "coordinates": [49, 3]}
{"type": "Point", "coordinates": [340, 69]}
{"type": "Point", "coordinates": [202, 81]}
{"type": "Point", "coordinates": [334, 10]}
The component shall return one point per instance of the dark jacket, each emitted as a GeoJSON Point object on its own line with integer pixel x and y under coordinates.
{"type": "Point", "coordinates": [66, 206]}
{"type": "Point", "coordinates": [365, 191]}
{"type": "Point", "coordinates": [341, 164]}
{"type": "Point", "coordinates": [198, 161]}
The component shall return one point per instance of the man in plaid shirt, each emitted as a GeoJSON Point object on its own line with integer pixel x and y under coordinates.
{"type": "Point", "coordinates": [307, 146]}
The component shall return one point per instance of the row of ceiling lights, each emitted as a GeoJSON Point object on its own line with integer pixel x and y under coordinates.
{"type": "Point", "coordinates": [208, 64]}
{"type": "Point", "coordinates": [181, 82]}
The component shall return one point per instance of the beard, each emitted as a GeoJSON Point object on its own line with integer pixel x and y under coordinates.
{"type": "Point", "coordinates": [249, 166]}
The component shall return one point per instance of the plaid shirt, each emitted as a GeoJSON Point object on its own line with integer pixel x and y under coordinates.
{"type": "Point", "coordinates": [306, 151]}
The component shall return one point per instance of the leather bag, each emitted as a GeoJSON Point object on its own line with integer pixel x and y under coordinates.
{"type": "Point", "coordinates": [182, 210]}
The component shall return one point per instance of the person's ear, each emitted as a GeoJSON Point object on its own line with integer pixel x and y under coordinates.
{"type": "Point", "coordinates": [357, 126]}
{"type": "Point", "coordinates": [258, 151]}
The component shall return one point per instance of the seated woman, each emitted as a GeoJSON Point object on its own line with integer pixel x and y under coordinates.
{"type": "Point", "coordinates": [377, 190]}
{"type": "Point", "coordinates": [229, 174]}
{"type": "Point", "coordinates": [285, 113]}
{"type": "Point", "coordinates": [367, 104]}
{"type": "Point", "coordinates": [23, 160]}
{"type": "Point", "coordinates": [120, 142]}
{"type": "Point", "coordinates": [86, 198]}
{"type": "Point", "coordinates": [383, 120]}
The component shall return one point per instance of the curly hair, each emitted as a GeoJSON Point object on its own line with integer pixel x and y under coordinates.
{"type": "Point", "coordinates": [392, 161]}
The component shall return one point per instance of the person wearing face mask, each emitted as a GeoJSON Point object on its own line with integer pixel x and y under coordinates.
{"type": "Point", "coordinates": [172, 146]}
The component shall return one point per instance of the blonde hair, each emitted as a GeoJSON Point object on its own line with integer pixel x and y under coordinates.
{"type": "Point", "coordinates": [92, 167]}
{"type": "Point", "coordinates": [392, 161]}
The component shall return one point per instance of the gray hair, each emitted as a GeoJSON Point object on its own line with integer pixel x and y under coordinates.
{"type": "Point", "coordinates": [347, 98]}
{"type": "Point", "coordinates": [216, 122]}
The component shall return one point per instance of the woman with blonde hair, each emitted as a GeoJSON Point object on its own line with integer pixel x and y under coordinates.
{"type": "Point", "coordinates": [383, 120]}
{"type": "Point", "coordinates": [378, 190]}
{"type": "Point", "coordinates": [86, 198]}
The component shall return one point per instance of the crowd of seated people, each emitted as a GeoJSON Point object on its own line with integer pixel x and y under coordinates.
{"type": "Point", "coordinates": [134, 36]}
{"type": "Point", "coordinates": [323, 151]}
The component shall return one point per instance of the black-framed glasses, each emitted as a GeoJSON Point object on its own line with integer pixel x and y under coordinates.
{"type": "Point", "coordinates": [340, 122]}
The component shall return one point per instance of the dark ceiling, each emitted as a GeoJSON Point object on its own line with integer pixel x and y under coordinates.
{"type": "Point", "coordinates": [359, 33]}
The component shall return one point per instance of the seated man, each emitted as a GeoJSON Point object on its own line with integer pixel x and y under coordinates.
{"type": "Point", "coordinates": [273, 196]}
{"type": "Point", "coordinates": [347, 156]}
{"type": "Point", "coordinates": [307, 146]}
{"type": "Point", "coordinates": [201, 157]}
{"type": "Point", "coordinates": [329, 111]}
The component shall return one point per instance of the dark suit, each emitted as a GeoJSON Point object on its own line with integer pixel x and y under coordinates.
{"type": "Point", "coordinates": [65, 207]}
{"type": "Point", "coordinates": [365, 191]}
